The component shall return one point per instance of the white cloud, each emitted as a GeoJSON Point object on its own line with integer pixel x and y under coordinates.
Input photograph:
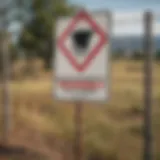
{"type": "Point", "coordinates": [126, 15]}
{"type": "Point", "coordinates": [156, 28]}
{"type": "Point", "coordinates": [126, 23]}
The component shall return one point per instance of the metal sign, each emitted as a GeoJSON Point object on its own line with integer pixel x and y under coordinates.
{"type": "Point", "coordinates": [82, 52]}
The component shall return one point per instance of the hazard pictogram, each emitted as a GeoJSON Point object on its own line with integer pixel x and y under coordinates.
{"type": "Point", "coordinates": [84, 37]}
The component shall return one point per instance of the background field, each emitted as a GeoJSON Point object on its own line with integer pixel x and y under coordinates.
{"type": "Point", "coordinates": [112, 131]}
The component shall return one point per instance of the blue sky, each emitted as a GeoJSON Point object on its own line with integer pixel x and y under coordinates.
{"type": "Point", "coordinates": [119, 5]}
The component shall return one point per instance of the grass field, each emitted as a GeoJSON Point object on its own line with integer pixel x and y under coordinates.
{"type": "Point", "coordinates": [112, 131]}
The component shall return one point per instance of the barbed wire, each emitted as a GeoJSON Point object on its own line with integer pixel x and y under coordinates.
{"type": "Point", "coordinates": [131, 18]}
{"type": "Point", "coordinates": [128, 19]}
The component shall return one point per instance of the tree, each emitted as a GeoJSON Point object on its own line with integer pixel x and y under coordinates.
{"type": "Point", "coordinates": [13, 12]}
{"type": "Point", "coordinates": [37, 37]}
{"type": "Point", "coordinates": [9, 14]}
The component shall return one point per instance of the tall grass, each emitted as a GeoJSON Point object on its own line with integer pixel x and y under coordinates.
{"type": "Point", "coordinates": [112, 131]}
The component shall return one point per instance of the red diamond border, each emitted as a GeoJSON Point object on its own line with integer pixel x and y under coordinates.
{"type": "Point", "coordinates": [82, 15]}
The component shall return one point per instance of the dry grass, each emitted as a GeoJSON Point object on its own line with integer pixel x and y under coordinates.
{"type": "Point", "coordinates": [112, 131]}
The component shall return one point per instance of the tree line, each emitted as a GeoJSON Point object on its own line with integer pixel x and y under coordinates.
{"type": "Point", "coordinates": [133, 54]}
{"type": "Point", "coordinates": [37, 37]}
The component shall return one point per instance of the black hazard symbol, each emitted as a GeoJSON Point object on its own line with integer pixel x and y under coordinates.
{"type": "Point", "coordinates": [81, 40]}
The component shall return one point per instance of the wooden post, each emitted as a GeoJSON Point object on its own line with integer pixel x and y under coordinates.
{"type": "Point", "coordinates": [6, 87]}
{"type": "Point", "coordinates": [148, 51]}
{"type": "Point", "coordinates": [78, 149]}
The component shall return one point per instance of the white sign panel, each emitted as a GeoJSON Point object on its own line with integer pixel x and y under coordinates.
{"type": "Point", "coordinates": [82, 54]}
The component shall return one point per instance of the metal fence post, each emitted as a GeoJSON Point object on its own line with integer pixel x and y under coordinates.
{"type": "Point", "coordinates": [148, 51]}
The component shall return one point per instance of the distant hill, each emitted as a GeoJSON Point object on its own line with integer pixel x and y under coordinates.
{"type": "Point", "coordinates": [131, 42]}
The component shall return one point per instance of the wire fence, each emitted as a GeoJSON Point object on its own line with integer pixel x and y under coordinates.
{"type": "Point", "coordinates": [15, 13]}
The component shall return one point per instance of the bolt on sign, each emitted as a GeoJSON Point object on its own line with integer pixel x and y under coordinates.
{"type": "Point", "coordinates": [82, 57]}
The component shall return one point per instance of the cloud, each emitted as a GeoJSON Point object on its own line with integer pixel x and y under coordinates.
{"type": "Point", "coordinates": [131, 23]}
{"type": "Point", "coordinates": [156, 28]}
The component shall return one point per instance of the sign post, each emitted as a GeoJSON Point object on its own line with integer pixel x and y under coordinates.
{"type": "Point", "coordinates": [148, 51]}
{"type": "Point", "coordinates": [81, 64]}
{"type": "Point", "coordinates": [78, 149]}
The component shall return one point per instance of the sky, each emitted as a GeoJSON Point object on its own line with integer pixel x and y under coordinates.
{"type": "Point", "coordinates": [119, 5]}
{"type": "Point", "coordinates": [127, 14]}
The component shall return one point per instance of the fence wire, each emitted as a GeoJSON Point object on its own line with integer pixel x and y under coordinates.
{"type": "Point", "coordinates": [125, 24]}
